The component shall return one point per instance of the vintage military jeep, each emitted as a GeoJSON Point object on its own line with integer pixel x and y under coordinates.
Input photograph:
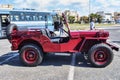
{"type": "Point", "coordinates": [34, 43]}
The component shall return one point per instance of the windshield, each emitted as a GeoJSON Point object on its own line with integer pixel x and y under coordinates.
{"type": "Point", "coordinates": [60, 24]}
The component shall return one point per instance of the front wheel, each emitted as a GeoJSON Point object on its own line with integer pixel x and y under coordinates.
{"type": "Point", "coordinates": [31, 55]}
{"type": "Point", "coordinates": [100, 55]}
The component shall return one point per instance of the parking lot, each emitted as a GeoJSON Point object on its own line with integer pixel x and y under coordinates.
{"type": "Point", "coordinates": [56, 66]}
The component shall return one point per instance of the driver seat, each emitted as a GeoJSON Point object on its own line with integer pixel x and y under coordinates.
{"type": "Point", "coordinates": [47, 33]}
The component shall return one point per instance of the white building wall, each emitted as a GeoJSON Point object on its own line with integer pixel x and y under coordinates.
{"type": "Point", "coordinates": [108, 17]}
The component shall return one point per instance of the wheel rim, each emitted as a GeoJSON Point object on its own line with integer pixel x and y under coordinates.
{"type": "Point", "coordinates": [30, 56]}
{"type": "Point", "coordinates": [100, 57]}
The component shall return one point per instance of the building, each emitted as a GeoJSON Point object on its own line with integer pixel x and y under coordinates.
{"type": "Point", "coordinates": [68, 13]}
{"type": "Point", "coordinates": [59, 12]}
{"type": "Point", "coordinates": [101, 13]}
{"type": "Point", "coordinates": [6, 6]}
{"type": "Point", "coordinates": [117, 17]}
{"type": "Point", "coordinates": [72, 13]}
{"type": "Point", "coordinates": [106, 17]}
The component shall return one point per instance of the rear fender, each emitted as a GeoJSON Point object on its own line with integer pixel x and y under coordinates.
{"type": "Point", "coordinates": [113, 46]}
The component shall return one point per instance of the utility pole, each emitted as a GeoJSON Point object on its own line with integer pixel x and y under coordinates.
{"type": "Point", "coordinates": [89, 10]}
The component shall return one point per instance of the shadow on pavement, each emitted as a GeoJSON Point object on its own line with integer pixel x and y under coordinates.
{"type": "Point", "coordinates": [49, 59]}
{"type": "Point", "coordinates": [10, 59]}
{"type": "Point", "coordinates": [82, 62]}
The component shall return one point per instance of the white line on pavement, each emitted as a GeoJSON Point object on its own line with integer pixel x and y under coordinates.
{"type": "Point", "coordinates": [71, 72]}
{"type": "Point", "coordinates": [62, 54]}
{"type": "Point", "coordinates": [9, 58]}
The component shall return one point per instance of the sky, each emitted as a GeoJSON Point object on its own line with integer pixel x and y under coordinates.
{"type": "Point", "coordinates": [83, 7]}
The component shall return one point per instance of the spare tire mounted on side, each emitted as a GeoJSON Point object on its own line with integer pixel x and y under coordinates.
{"type": "Point", "coordinates": [10, 28]}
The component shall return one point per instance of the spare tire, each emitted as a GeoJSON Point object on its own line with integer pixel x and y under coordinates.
{"type": "Point", "coordinates": [9, 30]}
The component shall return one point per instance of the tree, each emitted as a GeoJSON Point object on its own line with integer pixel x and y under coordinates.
{"type": "Point", "coordinates": [96, 17]}
{"type": "Point", "coordinates": [71, 19]}
{"type": "Point", "coordinates": [99, 19]}
{"type": "Point", "coordinates": [84, 19]}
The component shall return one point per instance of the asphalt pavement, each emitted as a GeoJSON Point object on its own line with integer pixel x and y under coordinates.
{"type": "Point", "coordinates": [58, 66]}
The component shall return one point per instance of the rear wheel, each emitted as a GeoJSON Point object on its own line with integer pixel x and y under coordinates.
{"type": "Point", "coordinates": [31, 55]}
{"type": "Point", "coordinates": [100, 55]}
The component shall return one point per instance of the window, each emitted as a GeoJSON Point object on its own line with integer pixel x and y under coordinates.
{"type": "Point", "coordinates": [55, 18]}
{"type": "Point", "coordinates": [28, 18]}
{"type": "Point", "coordinates": [35, 18]}
{"type": "Point", "coordinates": [49, 18]}
{"type": "Point", "coordinates": [16, 18]}
{"type": "Point", "coordinates": [22, 16]}
{"type": "Point", "coordinates": [42, 18]}
{"type": "Point", "coordinates": [3, 18]}
{"type": "Point", "coordinates": [11, 17]}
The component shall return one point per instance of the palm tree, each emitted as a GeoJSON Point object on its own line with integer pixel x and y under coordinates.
{"type": "Point", "coordinates": [96, 17]}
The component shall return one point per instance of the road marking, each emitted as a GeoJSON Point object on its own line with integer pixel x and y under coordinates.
{"type": "Point", "coordinates": [62, 54]}
{"type": "Point", "coordinates": [9, 58]}
{"type": "Point", "coordinates": [71, 72]}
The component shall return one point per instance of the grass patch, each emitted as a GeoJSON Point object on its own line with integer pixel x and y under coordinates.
{"type": "Point", "coordinates": [77, 26]}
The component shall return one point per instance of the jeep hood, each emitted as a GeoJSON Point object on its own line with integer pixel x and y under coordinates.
{"type": "Point", "coordinates": [89, 33]}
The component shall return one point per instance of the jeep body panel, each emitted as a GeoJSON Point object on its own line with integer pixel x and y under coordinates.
{"type": "Point", "coordinates": [76, 43]}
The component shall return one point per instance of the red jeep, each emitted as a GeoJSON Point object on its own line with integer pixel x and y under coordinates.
{"type": "Point", "coordinates": [34, 43]}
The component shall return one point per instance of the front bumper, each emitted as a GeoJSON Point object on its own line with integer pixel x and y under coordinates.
{"type": "Point", "coordinates": [113, 46]}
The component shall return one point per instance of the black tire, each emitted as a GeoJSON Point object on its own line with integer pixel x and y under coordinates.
{"type": "Point", "coordinates": [31, 55]}
{"type": "Point", "coordinates": [9, 30]}
{"type": "Point", "coordinates": [100, 55]}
